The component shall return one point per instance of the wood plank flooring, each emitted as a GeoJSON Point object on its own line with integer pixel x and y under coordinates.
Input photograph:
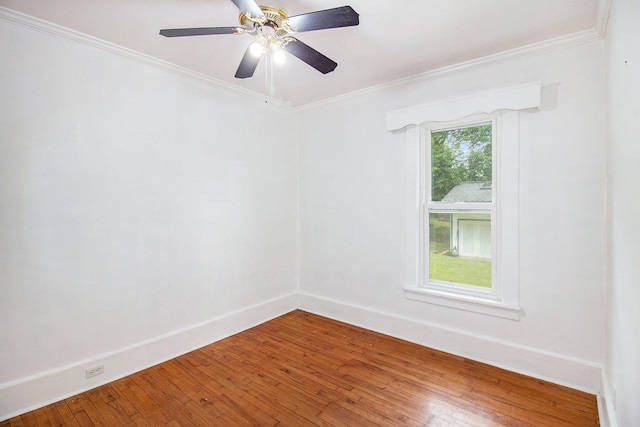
{"type": "Point", "coordinates": [301, 369]}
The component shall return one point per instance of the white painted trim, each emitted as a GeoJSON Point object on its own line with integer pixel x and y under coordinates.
{"type": "Point", "coordinates": [463, 302]}
{"type": "Point", "coordinates": [602, 17]}
{"type": "Point", "coordinates": [569, 40]}
{"type": "Point", "coordinates": [413, 209]}
{"type": "Point", "coordinates": [46, 27]}
{"type": "Point", "coordinates": [26, 394]}
{"type": "Point", "coordinates": [560, 369]}
{"type": "Point", "coordinates": [579, 37]}
{"type": "Point", "coordinates": [606, 405]}
{"type": "Point", "coordinates": [35, 391]}
{"type": "Point", "coordinates": [504, 300]}
{"type": "Point", "coordinates": [519, 97]}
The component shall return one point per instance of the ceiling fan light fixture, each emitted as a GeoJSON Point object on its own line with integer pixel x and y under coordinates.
{"type": "Point", "coordinates": [256, 48]}
{"type": "Point", "coordinates": [279, 56]}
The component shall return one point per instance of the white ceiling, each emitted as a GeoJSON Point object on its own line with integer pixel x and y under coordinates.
{"type": "Point", "coordinates": [395, 39]}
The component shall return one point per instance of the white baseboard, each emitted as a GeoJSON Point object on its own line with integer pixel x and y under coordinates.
{"type": "Point", "coordinates": [29, 393]}
{"type": "Point", "coordinates": [554, 367]}
{"type": "Point", "coordinates": [606, 405]}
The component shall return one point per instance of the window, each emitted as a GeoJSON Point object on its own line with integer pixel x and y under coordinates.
{"type": "Point", "coordinates": [459, 208]}
{"type": "Point", "coordinates": [462, 199]}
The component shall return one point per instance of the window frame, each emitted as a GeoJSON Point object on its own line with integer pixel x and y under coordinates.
{"type": "Point", "coordinates": [427, 205]}
{"type": "Point", "coordinates": [506, 104]}
{"type": "Point", "coordinates": [503, 298]}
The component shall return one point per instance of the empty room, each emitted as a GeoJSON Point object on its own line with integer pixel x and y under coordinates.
{"type": "Point", "coordinates": [219, 212]}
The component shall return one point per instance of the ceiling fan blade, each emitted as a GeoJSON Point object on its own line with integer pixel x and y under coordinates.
{"type": "Point", "coordinates": [310, 56]}
{"type": "Point", "coordinates": [181, 32]}
{"type": "Point", "coordinates": [343, 16]}
{"type": "Point", "coordinates": [249, 8]}
{"type": "Point", "coordinates": [248, 65]}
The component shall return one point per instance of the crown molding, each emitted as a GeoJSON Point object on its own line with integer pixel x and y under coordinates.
{"type": "Point", "coordinates": [596, 33]}
{"type": "Point", "coordinates": [568, 40]}
{"type": "Point", "coordinates": [46, 27]}
{"type": "Point", "coordinates": [602, 17]}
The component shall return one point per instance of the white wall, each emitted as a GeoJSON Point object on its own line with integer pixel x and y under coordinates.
{"type": "Point", "coordinates": [144, 213]}
{"type": "Point", "coordinates": [623, 316]}
{"type": "Point", "coordinates": [139, 207]}
{"type": "Point", "coordinates": [352, 180]}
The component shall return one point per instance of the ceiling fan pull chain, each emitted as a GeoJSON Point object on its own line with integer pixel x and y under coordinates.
{"type": "Point", "coordinates": [266, 77]}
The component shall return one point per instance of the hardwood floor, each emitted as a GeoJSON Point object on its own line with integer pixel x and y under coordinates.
{"type": "Point", "coordinates": [301, 369]}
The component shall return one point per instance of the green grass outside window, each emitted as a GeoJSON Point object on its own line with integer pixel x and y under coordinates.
{"type": "Point", "coordinates": [459, 270]}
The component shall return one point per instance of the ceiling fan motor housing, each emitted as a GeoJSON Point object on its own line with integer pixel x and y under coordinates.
{"type": "Point", "coordinates": [273, 17]}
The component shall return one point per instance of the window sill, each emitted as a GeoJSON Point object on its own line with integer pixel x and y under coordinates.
{"type": "Point", "coordinates": [463, 302]}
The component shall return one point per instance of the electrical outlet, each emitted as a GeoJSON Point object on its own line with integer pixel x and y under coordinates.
{"type": "Point", "coordinates": [96, 370]}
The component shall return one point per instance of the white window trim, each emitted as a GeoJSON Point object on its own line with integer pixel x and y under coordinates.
{"type": "Point", "coordinates": [504, 103]}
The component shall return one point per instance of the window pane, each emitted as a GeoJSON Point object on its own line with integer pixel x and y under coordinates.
{"type": "Point", "coordinates": [461, 164]}
{"type": "Point", "coordinates": [460, 248]}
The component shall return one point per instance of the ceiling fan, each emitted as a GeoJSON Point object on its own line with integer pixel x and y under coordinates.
{"type": "Point", "coordinates": [273, 31]}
